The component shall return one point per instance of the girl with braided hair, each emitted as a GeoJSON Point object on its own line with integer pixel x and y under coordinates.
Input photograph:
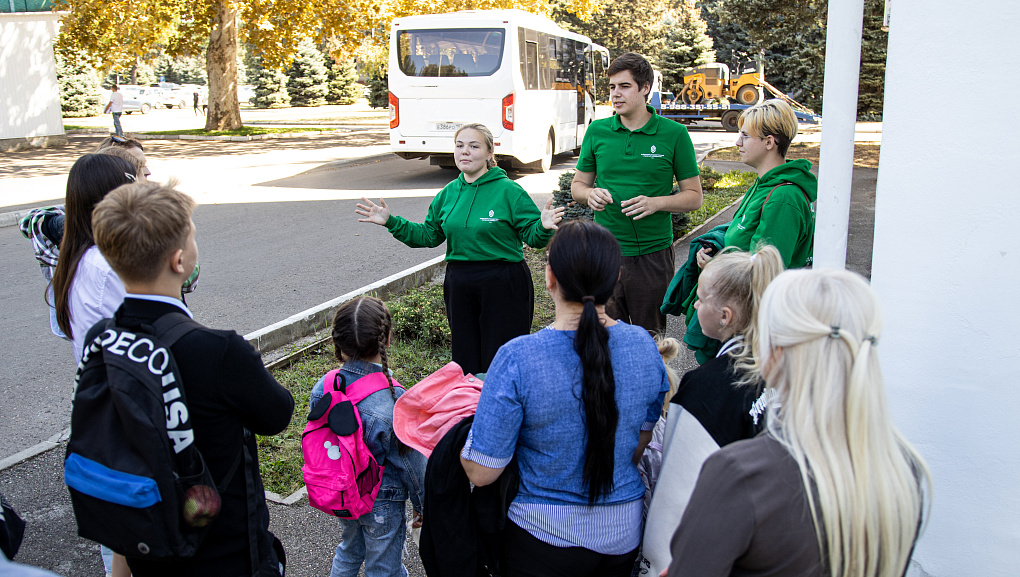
{"type": "Point", "coordinates": [361, 334]}
{"type": "Point", "coordinates": [832, 489]}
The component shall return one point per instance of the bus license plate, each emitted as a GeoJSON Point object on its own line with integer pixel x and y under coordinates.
{"type": "Point", "coordinates": [447, 126]}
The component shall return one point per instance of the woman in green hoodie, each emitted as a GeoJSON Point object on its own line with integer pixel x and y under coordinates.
{"type": "Point", "coordinates": [483, 216]}
{"type": "Point", "coordinates": [777, 209]}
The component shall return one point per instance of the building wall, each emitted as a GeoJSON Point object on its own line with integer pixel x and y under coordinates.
{"type": "Point", "coordinates": [947, 270]}
{"type": "Point", "coordinates": [29, 94]}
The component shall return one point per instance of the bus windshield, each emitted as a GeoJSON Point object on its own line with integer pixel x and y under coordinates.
{"type": "Point", "coordinates": [450, 52]}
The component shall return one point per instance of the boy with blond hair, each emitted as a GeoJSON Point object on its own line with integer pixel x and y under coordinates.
{"type": "Point", "coordinates": [146, 233]}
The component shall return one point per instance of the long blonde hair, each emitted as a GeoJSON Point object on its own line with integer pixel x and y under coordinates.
{"type": "Point", "coordinates": [739, 281]}
{"type": "Point", "coordinates": [818, 331]}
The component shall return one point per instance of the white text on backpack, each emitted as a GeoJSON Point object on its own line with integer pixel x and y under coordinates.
{"type": "Point", "coordinates": [157, 362]}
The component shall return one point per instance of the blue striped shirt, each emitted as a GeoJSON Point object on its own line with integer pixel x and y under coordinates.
{"type": "Point", "coordinates": [530, 406]}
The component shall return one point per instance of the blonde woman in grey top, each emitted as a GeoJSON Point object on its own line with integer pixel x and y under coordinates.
{"type": "Point", "coordinates": [831, 489]}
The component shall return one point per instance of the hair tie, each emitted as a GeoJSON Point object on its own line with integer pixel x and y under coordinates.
{"type": "Point", "coordinates": [835, 332]}
{"type": "Point", "coordinates": [873, 339]}
{"type": "Point", "coordinates": [588, 299]}
{"type": "Point", "coordinates": [753, 256]}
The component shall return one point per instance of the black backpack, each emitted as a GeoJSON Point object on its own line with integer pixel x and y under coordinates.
{"type": "Point", "coordinates": [138, 483]}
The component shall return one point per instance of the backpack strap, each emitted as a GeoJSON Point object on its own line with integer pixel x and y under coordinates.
{"type": "Point", "coordinates": [171, 327]}
{"type": "Point", "coordinates": [371, 383]}
{"type": "Point", "coordinates": [769, 195]}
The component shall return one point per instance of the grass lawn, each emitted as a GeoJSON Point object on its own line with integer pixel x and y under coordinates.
{"type": "Point", "coordinates": [865, 153]}
{"type": "Point", "coordinates": [243, 131]}
{"type": "Point", "coordinates": [76, 127]}
{"type": "Point", "coordinates": [411, 358]}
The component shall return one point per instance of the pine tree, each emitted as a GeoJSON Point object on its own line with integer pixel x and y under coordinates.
{"type": "Point", "coordinates": [729, 39]}
{"type": "Point", "coordinates": [306, 78]}
{"type": "Point", "coordinates": [623, 26]}
{"type": "Point", "coordinates": [562, 197]}
{"type": "Point", "coordinates": [343, 87]}
{"type": "Point", "coordinates": [270, 87]}
{"type": "Point", "coordinates": [871, 91]}
{"type": "Point", "coordinates": [379, 91]}
{"type": "Point", "coordinates": [143, 74]}
{"type": "Point", "coordinates": [181, 70]}
{"type": "Point", "coordinates": [79, 86]}
{"type": "Point", "coordinates": [687, 44]}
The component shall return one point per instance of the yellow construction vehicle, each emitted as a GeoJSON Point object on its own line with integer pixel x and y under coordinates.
{"type": "Point", "coordinates": [713, 81]}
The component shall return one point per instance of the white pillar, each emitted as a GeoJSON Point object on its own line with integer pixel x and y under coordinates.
{"type": "Point", "coordinates": [839, 110]}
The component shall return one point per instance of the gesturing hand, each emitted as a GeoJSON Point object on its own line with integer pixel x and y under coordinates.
{"type": "Point", "coordinates": [372, 212]}
{"type": "Point", "coordinates": [552, 216]}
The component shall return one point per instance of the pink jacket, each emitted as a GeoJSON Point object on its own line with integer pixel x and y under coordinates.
{"type": "Point", "coordinates": [423, 414]}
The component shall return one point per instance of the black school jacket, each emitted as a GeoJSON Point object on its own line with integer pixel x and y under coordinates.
{"type": "Point", "coordinates": [462, 529]}
{"type": "Point", "coordinates": [228, 389]}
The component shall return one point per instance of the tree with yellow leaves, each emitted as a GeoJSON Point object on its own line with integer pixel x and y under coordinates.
{"type": "Point", "coordinates": [116, 33]}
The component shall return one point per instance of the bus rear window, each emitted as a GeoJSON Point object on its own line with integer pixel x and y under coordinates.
{"type": "Point", "coordinates": [450, 52]}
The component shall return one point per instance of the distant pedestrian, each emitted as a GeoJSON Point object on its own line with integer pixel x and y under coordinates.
{"type": "Point", "coordinates": [195, 100]}
{"type": "Point", "coordinates": [483, 216]}
{"type": "Point", "coordinates": [115, 106]}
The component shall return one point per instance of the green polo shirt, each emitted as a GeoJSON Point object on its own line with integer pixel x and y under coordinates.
{"type": "Point", "coordinates": [633, 163]}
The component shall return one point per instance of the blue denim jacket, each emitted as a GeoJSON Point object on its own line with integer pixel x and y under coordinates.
{"type": "Point", "coordinates": [405, 474]}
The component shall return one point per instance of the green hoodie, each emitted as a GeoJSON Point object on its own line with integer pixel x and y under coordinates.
{"type": "Point", "coordinates": [483, 220]}
{"type": "Point", "coordinates": [787, 222]}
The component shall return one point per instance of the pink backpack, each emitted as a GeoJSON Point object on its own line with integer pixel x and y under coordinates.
{"type": "Point", "coordinates": [341, 475]}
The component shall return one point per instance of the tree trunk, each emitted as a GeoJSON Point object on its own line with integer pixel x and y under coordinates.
{"type": "Point", "coordinates": [221, 65]}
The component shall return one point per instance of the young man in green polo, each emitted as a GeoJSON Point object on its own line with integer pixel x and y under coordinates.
{"type": "Point", "coordinates": [625, 174]}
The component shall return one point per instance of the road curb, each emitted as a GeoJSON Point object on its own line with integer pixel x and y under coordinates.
{"type": "Point", "coordinates": [21, 456]}
{"type": "Point", "coordinates": [143, 136]}
{"type": "Point", "coordinates": [316, 318]}
{"type": "Point", "coordinates": [12, 218]}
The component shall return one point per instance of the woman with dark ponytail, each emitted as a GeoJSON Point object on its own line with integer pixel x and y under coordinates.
{"type": "Point", "coordinates": [575, 403]}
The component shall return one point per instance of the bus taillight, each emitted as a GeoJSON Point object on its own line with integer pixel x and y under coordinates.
{"type": "Point", "coordinates": [508, 111]}
{"type": "Point", "coordinates": [395, 111]}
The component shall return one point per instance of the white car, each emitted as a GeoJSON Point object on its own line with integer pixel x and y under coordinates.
{"type": "Point", "coordinates": [140, 98]}
{"type": "Point", "coordinates": [175, 95]}
{"type": "Point", "coordinates": [245, 92]}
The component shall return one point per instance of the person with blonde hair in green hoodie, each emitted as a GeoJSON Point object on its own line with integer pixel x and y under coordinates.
{"type": "Point", "coordinates": [483, 217]}
{"type": "Point", "coordinates": [778, 209]}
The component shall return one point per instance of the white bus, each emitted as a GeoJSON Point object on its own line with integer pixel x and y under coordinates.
{"type": "Point", "coordinates": [528, 80]}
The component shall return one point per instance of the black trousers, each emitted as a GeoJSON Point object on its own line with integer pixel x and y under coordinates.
{"type": "Point", "coordinates": [528, 556]}
{"type": "Point", "coordinates": [487, 304]}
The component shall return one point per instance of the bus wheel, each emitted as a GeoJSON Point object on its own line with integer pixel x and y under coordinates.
{"type": "Point", "coordinates": [547, 158]}
{"type": "Point", "coordinates": [729, 120]}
